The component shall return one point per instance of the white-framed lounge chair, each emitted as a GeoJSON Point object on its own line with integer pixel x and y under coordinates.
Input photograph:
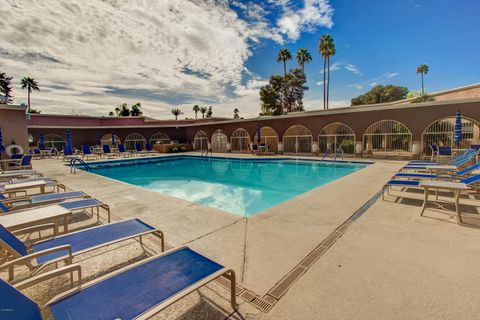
{"type": "Point", "coordinates": [175, 274]}
{"type": "Point", "coordinates": [87, 153]}
{"type": "Point", "coordinates": [39, 184]}
{"type": "Point", "coordinates": [73, 206]}
{"type": "Point", "coordinates": [419, 176]}
{"type": "Point", "coordinates": [108, 152]}
{"type": "Point", "coordinates": [422, 167]}
{"type": "Point", "coordinates": [45, 252]}
{"type": "Point", "coordinates": [139, 150]}
{"type": "Point", "coordinates": [10, 175]}
{"type": "Point", "coordinates": [463, 155]}
{"type": "Point", "coordinates": [417, 183]}
{"type": "Point", "coordinates": [150, 150]}
{"type": "Point", "coordinates": [41, 200]}
{"type": "Point", "coordinates": [123, 152]}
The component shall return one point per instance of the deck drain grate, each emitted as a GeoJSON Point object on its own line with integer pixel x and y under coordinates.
{"type": "Point", "coordinates": [282, 287]}
{"type": "Point", "coordinates": [247, 295]}
{"type": "Point", "coordinates": [261, 304]}
{"type": "Point", "coordinates": [226, 283]}
{"type": "Point", "coordinates": [313, 256]}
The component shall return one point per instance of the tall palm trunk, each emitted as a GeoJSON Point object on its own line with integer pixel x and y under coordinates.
{"type": "Point", "coordinates": [328, 81]}
{"type": "Point", "coordinates": [285, 103]}
{"type": "Point", "coordinates": [423, 90]}
{"type": "Point", "coordinates": [324, 83]}
{"type": "Point", "coordinates": [28, 94]}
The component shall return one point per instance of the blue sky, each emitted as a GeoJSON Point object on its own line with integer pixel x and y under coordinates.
{"type": "Point", "coordinates": [89, 57]}
{"type": "Point", "coordinates": [385, 41]}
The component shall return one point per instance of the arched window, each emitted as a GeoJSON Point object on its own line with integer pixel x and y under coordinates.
{"type": "Point", "coordinates": [219, 141]}
{"type": "Point", "coordinates": [441, 133]}
{"type": "Point", "coordinates": [107, 139]}
{"type": "Point", "coordinates": [134, 138]}
{"type": "Point", "coordinates": [297, 139]}
{"type": "Point", "coordinates": [240, 140]}
{"type": "Point", "coordinates": [268, 136]}
{"type": "Point", "coordinates": [336, 135]}
{"type": "Point", "coordinates": [54, 141]}
{"type": "Point", "coordinates": [387, 135]}
{"type": "Point", "coordinates": [159, 138]}
{"type": "Point", "coordinates": [200, 142]}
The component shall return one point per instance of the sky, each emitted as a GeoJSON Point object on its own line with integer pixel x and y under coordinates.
{"type": "Point", "coordinates": [89, 57]}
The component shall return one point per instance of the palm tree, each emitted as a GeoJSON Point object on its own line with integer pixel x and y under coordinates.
{"type": "Point", "coordinates": [235, 113]}
{"type": "Point", "coordinates": [303, 56]}
{"type": "Point", "coordinates": [326, 48]}
{"type": "Point", "coordinates": [117, 111]}
{"type": "Point", "coordinates": [176, 112]}
{"type": "Point", "coordinates": [31, 85]}
{"type": "Point", "coordinates": [111, 114]}
{"type": "Point", "coordinates": [124, 110]}
{"type": "Point", "coordinates": [422, 69]}
{"type": "Point", "coordinates": [135, 111]}
{"type": "Point", "coordinates": [283, 56]}
{"type": "Point", "coordinates": [196, 108]}
{"type": "Point", "coordinates": [209, 112]}
{"type": "Point", "coordinates": [203, 110]}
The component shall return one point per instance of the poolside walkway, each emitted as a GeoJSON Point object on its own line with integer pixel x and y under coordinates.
{"type": "Point", "coordinates": [390, 261]}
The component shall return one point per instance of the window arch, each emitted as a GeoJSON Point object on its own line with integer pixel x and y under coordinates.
{"type": "Point", "coordinates": [54, 141]}
{"type": "Point", "coordinates": [441, 133]}
{"type": "Point", "coordinates": [160, 138]}
{"type": "Point", "coordinates": [336, 135]}
{"type": "Point", "coordinates": [200, 142]}
{"type": "Point", "coordinates": [107, 139]}
{"type": "Point", "coordinates": [240, 140]}
{"type": "Point", "coordinates": [297, 139]}
{"type": "Point", "coordinates": [219, 141]}
{"type": "Point", "coordinates": [268, 136]}
{"type": "Point", "coordinates": [134, 138]}
{"type": "Point", "coordinates": [387, 135]}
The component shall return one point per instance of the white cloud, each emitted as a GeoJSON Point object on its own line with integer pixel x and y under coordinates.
{"type": "Point", "coordinates": [334, 67]}
{"type": "Point", "coordinates": [353, 69]}
{"type": "Point", "coordinates": [294, 20]}
{"type": "Point", "coordinates": [91, 56]}
{"type": "Point", "coordinates": [390, 75]}
{"type": "Point", "coordinates": [357, 86]}
{"type": "Point", "coordinates": [373, 84]}
{"type": "Point", "coordinates": [319, 83]}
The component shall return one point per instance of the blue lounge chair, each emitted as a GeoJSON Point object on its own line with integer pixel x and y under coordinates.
{"type": "Point", "coordinates": [41, 200]}
{"type": "Point", "coordinates": [21, 162]}
{"type": "Point", "coordinates": [107, 151]}
{"type": "Point", "coordinates": [424, 162]}
{"type": "Point", "coordinates": [65, 247]}
{"type": "Point", "coordinates": [165, 279]}
{"type": "Point", "coordinates": [458, 162]}
{"type": "Point", "coordinates": [123, 152]}
{"type": "Point", "coordinates": [76, 205]}
{"type": "Point", "coordinates": [415, 176]}
{"type": "Point", "coordinates": [149, 148]}
{"type": "Point", "coordinates": [416, 183]}
{"type": "Point", "coordinates": [139, 149]}
{"type": "Point", "coordinates": [87, 152]}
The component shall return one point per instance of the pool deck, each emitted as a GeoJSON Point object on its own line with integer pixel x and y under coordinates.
{"type": "Point", "coordinates": [390, 263]}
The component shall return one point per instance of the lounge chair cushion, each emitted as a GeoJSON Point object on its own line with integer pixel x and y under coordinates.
{"type": "Point", "coordinates": [416, 175]}
{"type": "Point", "coordinates": [472, 179]}
{"type": "Point", "coordinates": [12, 241]}
{"type": "Point", "coordinates": [57, 196]}
{"type": "Point", "coordinates": [133, 292]}
{"type": "Point", "coordinates": [89, 238]}
{"type": "Point", "coordinates": [80, 204]}
{"type": "Point", "coordinates": [15, 305]}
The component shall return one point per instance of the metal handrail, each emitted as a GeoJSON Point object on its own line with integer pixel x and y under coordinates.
{"type": "Point", "coordinates": [326, 153]}
{"type": "Point", "coordinates": [339, 151]}
{"type": "Point", "coordinates": [73, 168]}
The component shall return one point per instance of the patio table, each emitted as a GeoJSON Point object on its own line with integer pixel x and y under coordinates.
{"type": "Point", "coordinates": [456, 187]}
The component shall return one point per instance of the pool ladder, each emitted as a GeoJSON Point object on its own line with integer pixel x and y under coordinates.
{"type": "Point", "coordinates": [339, 152]}
{"type": "Point", "coordinates": [205, 153]}
{"type": "Point", "coordinates": [73, 165]}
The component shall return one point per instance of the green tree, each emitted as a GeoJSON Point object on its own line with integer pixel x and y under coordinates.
{"type": "Point", "coordinates": [176, 112]}
{"type": "Point", "coordinates": [203, 110]}
{"type": "Point", "coordinates": [303, 56]}
{"type": "Point", "coordinates": [196, 109]}
{"type": "Point", "coordinates": [283, 56]}
{"type": "Point", "coordinates": [31, 85]}
{"type": "Point", "coordinates": [326, 48]}
{"type": "Point", "coordinates": [272, 96]}
{"type": "Point", "coordinates": [236, 113]}
{"type": "Point", "coordinates": [136, 110]}
{"type": "Point", "coordinates": [209, 112]}
{"type": "Point", "coordinates": [381, 94]}
{"type": "Point", "coordinates": [123, 110]}
{"type": "Point", "coordinates": [6, 88]}
{"type": "Point", "coordinates": [111, 114]}
{"type": "Point", "coordinates": [422, 70]}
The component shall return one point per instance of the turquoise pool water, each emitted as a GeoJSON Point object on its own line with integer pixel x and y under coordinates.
{"type": "Point", "coordinates": [240, 186]}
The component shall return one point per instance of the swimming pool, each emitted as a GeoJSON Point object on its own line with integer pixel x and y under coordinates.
{"type": "Point", "coordinates": [240, 186]}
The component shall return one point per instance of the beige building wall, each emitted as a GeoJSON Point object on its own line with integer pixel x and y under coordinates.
{"type": "Point", "coordinates": [14, 126]}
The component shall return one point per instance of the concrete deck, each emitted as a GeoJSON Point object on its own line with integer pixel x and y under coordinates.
{"type": "Point", "coordinates": [389, 262]}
